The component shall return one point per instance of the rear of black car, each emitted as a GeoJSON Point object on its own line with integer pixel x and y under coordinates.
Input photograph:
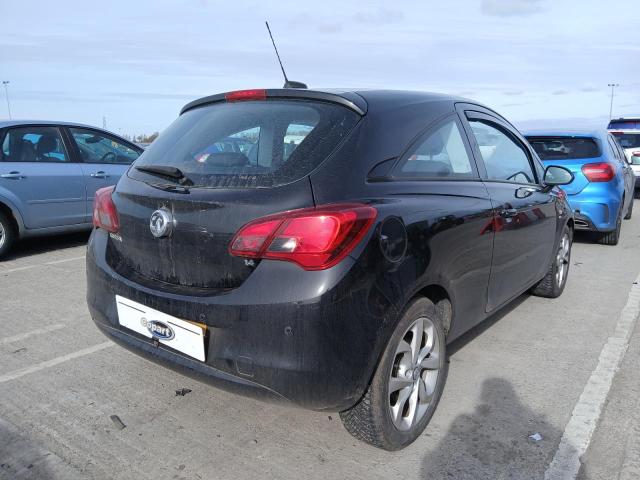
{"type": "Point", "coordinates": [177, 248]}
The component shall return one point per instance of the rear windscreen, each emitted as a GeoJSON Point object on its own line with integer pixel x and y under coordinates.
{"type": "Point", "coordinates": [559, 148]}
{"type": "Point", "coordinates": [624, 124]}
{"type": "Point", "coordinates": [248, 144]}
{"type": "Point", "coordinates": [628, 140]}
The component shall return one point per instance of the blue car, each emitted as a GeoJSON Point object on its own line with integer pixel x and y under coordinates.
{"type": "Point", "coordinates": [601, 192]}
{"type": "Point", "coordinates": [49, 173]}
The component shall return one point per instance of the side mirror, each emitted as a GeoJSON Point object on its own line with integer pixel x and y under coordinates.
{"type": "Point", "coordinates": [554, 175]}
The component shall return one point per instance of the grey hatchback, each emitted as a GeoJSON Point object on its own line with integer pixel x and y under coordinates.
{"type": "Point", "coordinates": [49, 173]}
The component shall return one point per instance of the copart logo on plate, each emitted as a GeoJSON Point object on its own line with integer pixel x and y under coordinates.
{"type": "Point", "coordinates": [158, 329]}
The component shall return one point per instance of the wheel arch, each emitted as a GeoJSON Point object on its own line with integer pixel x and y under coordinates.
{"type": "Point", "coordinates": [13, 215]}
{"type": "Point", "coordinates": [442, 301]}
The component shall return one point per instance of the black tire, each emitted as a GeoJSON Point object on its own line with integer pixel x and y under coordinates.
{"type": "Point", "coordinates": [612, 237]}
{"type": "Point", "coordinates": [8, 234]}
{"type": "Point", "coordinates": [370, 419]}
{"type": "Point", "coordinates": [629, 211]}
{"type": "Point", "coordinates": [552, 285]}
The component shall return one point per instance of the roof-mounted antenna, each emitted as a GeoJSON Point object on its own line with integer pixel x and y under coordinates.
{"type": "Point", "coordinates": [287, 83]}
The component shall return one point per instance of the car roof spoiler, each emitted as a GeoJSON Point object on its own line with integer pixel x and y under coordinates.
{"type": "Point", "coordinates": [351, 100]}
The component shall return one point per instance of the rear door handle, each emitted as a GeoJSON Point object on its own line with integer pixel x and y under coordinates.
{"type": "Point", "coordinates": [14, 175]}
{"type": "Point", "coordinates": [99, 174]}
{"type": "Point", "coordinates": [508, 212]}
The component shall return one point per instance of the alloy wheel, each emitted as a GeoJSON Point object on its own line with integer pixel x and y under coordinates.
{"type": "Point", "coordinates": [414, 374]}
{"type": "Point", "coordinates": [562, 259]}
{"type": "Point", "coordinates": [3, 235]}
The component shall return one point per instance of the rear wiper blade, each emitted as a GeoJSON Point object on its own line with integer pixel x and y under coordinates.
{"type": "Point", "coordinates": [165, 171]}
{"type": "Point", "coordinates": [171, 187]}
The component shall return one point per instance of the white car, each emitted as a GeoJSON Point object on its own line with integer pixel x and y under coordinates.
{"type": "Point", "coordinates": [627, 132]}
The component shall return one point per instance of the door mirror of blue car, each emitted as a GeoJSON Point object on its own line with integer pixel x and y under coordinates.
{"type": "Point", "coordinates": [554, 175]}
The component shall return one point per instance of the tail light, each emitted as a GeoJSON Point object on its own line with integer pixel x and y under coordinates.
{"type": "Point", "coordinates": [635, 154]}
{"type": "Point", "coordinates": [105, 215]}
{"type": "Point", "coordinates": [598, 172]}
{"type": "Point", "coordinates": [241, 95]}
{"type": "Point", "coordinates": [314, 238]}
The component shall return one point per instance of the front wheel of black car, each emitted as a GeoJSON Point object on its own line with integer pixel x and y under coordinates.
{"type": "Point", "coordinates": [407, 384]}
{"type": "Point", "coordinates": [552, 285]}
{"type": "Point", "coordinates": [7, 234]}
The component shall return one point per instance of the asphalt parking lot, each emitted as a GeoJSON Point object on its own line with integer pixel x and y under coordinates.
{"type": "Point", "coordinates": [520, 373]}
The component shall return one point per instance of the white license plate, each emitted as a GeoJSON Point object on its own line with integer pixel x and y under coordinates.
{"type": "Point", "coordinates": [186, 337]}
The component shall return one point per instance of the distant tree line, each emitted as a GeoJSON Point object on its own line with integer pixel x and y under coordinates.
{"type": "Point", "coordinates": [143, 138]}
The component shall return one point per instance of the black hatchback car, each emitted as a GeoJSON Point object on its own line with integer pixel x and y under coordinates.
{"type": "Point", "coordinates": [324, 247]}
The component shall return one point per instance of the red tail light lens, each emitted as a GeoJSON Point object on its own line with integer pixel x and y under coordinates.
{"type": "Point", "coordinates": [105, 215]}
{"type": "Point", "coordinates": [635, 154]}
{"type": "Point", "coordinates": [598, 172]}
{"type": "Point", "coordinates": [240, 95]}
{"type": "Point", "coordinates": [314, 238]}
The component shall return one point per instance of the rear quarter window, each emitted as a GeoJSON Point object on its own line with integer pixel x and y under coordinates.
{"type": "Point", "coordinates": [249, 144]}
{"type": "Point", "coordinates": [559, 148]}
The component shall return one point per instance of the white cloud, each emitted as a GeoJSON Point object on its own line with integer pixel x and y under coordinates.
{"type": "Point", "coordinates": [140, 68]}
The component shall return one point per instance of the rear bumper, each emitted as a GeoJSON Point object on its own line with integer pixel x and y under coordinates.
{"type": "Point", "coordinates": [596, 208]}
{"type": "Point", "coordinates": [309, 338]}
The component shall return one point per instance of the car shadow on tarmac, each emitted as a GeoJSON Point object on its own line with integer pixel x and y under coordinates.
{"type": "Point", "coordinates": [485, 325]}
{"type": "Point", "coordinates": [494, 441]}
{"type": "Point", "coordinates": [36, 245]}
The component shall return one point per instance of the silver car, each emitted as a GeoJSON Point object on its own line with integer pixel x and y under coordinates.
{"type": "Point", "coordinates": [49, 173]}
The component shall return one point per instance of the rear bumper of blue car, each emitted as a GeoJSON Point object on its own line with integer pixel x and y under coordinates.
{"type": "Point", "coordinates": [596, 207]}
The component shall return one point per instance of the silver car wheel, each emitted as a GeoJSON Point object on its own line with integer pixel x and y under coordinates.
{"type": "Point", "coordinates": [562, 259]}
{"type": "Point", "coordinates": [414, 374]}
{"type": "Point", "coordinates": [3, 235]}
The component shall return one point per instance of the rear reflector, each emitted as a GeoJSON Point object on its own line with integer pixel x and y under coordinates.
{"type": "Point", "coordinates": [241, 95]}
{"type": "Point", "coordinates": [598, 172]}
{"type": "Point", "coordinates": [314, 238]}
{"type": "Point", "coordinates": [105, 215]}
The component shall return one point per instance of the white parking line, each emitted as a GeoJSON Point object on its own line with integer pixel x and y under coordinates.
{"type": "Point", "coordinates": [38, 331]}
{"type": "Point", "coordinates": [54, 262]}
{"type": "Point", "coordinates": [56, 361]}
{"type": "Point", "coordinates": [578, 432]}
{"type": "Point", "coordinates": [64, 260]}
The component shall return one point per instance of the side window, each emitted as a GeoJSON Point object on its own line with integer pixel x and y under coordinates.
{"type": "Point", "coordinates": [612, 149]}
{"type": "Point", "coordinates": [34, 144]}
{"type": "Point", "coordinates": [97, 148]}
{"type": "Point", "coordinates": [503, 157]}
{"type": "Point", "coordinates": [441, 153]}
{"type": "Point", "coordinates": [616, 150]}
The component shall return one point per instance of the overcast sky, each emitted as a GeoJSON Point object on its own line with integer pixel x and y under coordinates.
{"type": "Point", "coordinates": [137, 62]}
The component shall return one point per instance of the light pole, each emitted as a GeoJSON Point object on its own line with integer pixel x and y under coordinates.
{"type": "Point", "coordinates": [6, 94]}
{"type": "Point", "coordinates": [613, 86]}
